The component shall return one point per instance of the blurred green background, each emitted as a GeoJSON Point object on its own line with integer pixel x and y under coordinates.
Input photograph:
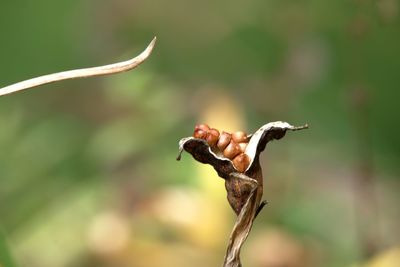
{"type": "Point", "coordinates": [88, 175]}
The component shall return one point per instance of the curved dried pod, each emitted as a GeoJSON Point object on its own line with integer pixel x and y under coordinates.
{"type": "Point", "coordinates": [243, 178]}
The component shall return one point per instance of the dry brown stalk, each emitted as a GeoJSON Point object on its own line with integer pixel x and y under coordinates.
{"type": "Point", "coordinates": [80, 73]}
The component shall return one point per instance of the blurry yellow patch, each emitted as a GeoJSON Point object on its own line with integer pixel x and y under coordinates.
{"type": "Point", "coordinates": [108, 233]}
{"type": "Point", "coordinates": [388, 258]}
{"type": "Point", "coordinates": [195, 214]}
{"type": "Point", "coordinates": [224, 113]}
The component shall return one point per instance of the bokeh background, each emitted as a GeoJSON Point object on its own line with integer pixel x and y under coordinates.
{"type": "Point", "coordinates": [88, 175]}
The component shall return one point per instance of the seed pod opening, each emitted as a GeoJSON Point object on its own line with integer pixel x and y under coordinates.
{"type": "Point", "coordinates": [230, 149]}
{"type": "Point", "coordinates": [229, 159]}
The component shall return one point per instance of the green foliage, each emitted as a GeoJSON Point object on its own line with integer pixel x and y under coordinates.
{"type": "Point", "coordinates": [6, 259]}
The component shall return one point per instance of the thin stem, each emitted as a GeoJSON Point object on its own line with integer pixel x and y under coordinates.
{"type": "Point", "coordinates": [244, 222]}
{"type": "Point", "coordinates": [296, 128]}
{"type": "Point", "coordinates": [80, 73]}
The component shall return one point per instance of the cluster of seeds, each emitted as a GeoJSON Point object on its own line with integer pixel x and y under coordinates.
{"type": "Point", "coordinates": [230, 145]}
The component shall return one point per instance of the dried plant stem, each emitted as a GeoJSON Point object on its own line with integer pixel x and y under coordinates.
{"type": "Point", "coordinates": [297, 128]}
{"type": "Point", "coordinates": [80, 73]}
{"type": "Point", "coordinates": [243, 224]}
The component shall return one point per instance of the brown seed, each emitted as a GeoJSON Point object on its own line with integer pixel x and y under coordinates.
{"type": "Point", "coordinates": [241, 162]}
{"type": "Point", "coordinates": [243, 147]}
{"type": "Point", "coordinates": [239, 137]}
{"type": "Point", "coordinates": [203, 127]}
{"type": "Point", "coordinates": [224, 140]}
{"type": "Point", "coordinates": [198, 133]}
{"type": "Point", "coordinates": [212, 137]}
{"type": "Point", "coordinates": [232, 150]}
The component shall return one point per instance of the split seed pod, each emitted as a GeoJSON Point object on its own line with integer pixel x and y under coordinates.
{"type": "Point", "coordinates": [238, 191]}
{"type": "Point", "coordinates": [242, 174]}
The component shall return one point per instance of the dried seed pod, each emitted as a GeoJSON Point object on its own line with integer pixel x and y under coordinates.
{"type": "Point", "coordinates": [224, 140]}
{"type": "Point", "coordinates": [243, 147]}
{"type": "Point", "coordinates": [241, 162]}
{"type": "Point", "coordinates": [212, 137]}
{"type": "Point", "coordinates": [198, 133]}
{"type": "Point", "coordinates": [239, 137]}
{"type": "Point", "coordinates": [237, 189]}
{"type": "Point", "coordinates": [232, 150]}
{"type": "Point", "coordinates": [243, 178]}
{"type": "Point", "coordinates": [203, 127]}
